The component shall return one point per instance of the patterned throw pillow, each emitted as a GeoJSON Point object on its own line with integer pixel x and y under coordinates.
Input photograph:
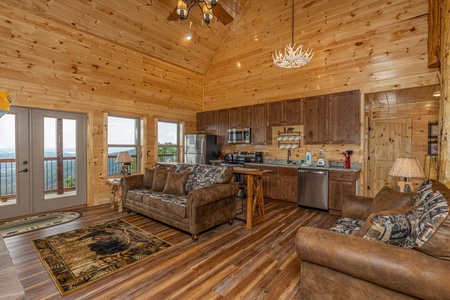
{"type": "Point", "coordinates": [392, 227]}
{"type": "Point", "coordinates": [209, 175]}
{"type": "Point", "coordinates": [436, 211]}
{"type": "Point", "coordinates": [425, 192]}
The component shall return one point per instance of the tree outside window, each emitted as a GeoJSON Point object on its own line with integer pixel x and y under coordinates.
{"type": "Point", "coordinates": [169, 144]}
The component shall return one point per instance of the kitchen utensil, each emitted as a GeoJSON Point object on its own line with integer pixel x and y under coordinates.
{"type": "Point", "coordinates": [321, 161]}
{"type": "Point", "coordinates": [282, 146]}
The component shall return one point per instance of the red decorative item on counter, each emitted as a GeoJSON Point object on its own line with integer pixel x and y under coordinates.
{"type": "Point", "coordinates": [347, 155]}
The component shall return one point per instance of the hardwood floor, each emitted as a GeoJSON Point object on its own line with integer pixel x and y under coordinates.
{"type": "Point", "coordinates": [228, 262]}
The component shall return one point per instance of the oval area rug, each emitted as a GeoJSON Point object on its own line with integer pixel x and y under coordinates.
{"type": "Point", "coordinates": [40, 221]}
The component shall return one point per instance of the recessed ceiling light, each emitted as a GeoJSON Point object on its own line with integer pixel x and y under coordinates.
{"type": "Point", "coordinates": [437, 94]}
{"type": "Point", "coordinates": [188, 36]}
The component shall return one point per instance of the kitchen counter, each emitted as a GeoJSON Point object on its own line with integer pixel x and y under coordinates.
{"type": "Point", "coordinates": [354, 168]}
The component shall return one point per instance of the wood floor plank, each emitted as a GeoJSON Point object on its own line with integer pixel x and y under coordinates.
{"type": "Point", "coordinates": [228, 262]}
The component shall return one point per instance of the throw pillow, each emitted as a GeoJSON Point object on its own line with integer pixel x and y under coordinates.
{"type": "Point", "coordinates": [387, 199]}
{"type": "Point", "coordinates": [159, 179]}
{"type": "Point", "coordinates": [209, 175]}
{"type": "Point", "coordinates": [176, 183]}
{"type": "Point", "coordinates": [436, 211]}
{"type": "Point", "coordinates": [392, 227]}
{"type": "Point", "coordinates": [148, 178]}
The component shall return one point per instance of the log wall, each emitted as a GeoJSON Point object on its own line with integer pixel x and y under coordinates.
{"type": "Point", "coordinates": [48, 66]}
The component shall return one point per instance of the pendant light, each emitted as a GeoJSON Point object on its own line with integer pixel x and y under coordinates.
{"type": "Point", "coordinates": [292, 58]}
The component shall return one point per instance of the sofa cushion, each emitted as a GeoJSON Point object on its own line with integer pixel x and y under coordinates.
{"type": "Point", "coordinates": [176, 183]}
{"type": "Point", "coordinates": [167, 202]}
{"type": "Point", "coordinates": [347, 225]}
{"type": "Point", "coordinates": [387, 199]}
{"type": "Point", "coordinates": [159, 179]}
{"type": "Point", "coordinates": [187, 168]}
{"type": "Point", "coordinates": [137, 194]}
{"type": "Point", "coordinates": [209, 175]}
{"type": "Point", "coordinates": [148, 178]}
{"type": "Point", "coordinates": [392, 227]}
{"type": "Point", "coordinates": [436, 212]}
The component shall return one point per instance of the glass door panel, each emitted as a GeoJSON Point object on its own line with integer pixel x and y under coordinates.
{"type": "Point", "coordinates": [60, 159]}
{"type": "Point", "coordinates": [8, 160]}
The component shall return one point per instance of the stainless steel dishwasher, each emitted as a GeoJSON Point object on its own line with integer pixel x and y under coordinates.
{"type": "Point", "coordinates": [313, 188]}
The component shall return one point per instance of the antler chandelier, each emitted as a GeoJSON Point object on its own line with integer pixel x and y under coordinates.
{"type": "Point", "coordinates": [292, 58]}
{"type": "Point", "coordinates": [184, 7]}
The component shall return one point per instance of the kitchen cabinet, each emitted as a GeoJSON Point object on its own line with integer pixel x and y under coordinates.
{"type": "Point", "coordinates": [344, 118]}
{"type": "Point", "coordinates": [281, 184]}
{"type": "Point", "coordinates": [316, 123]}
{"type": "Point", "coordinates": [333, 119]}
{"type": "Point", "coordinates": [340, 184]}
{"type": "Point", "coordinates": [294, 112]}
{"type": "Point", "coordinates": [207, 121]}
{"type": "Point", "coordinates": [240, 117]}
{"type": "Point", "coordinates": [288, 112]}
{"type": "Point", "coordinates": [222, 126]}
{"type": "Point", "coordinates": [261, 135]}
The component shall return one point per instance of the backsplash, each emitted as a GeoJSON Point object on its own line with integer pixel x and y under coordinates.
{"type": "Point", "coordinates": [272, 152]}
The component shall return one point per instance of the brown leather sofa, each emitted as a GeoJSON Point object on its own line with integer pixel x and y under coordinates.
{"type": "Point", "coordinates": [192, 198]}
{"type": "Point", "coordinates": [345, 266]}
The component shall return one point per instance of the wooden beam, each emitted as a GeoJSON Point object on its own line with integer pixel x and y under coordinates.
{"type": "Point", "coordinates": [434, 33]}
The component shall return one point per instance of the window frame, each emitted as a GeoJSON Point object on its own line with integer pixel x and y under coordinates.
{"type": "Point", "coordinates": [136, 145]}
{"type": "Point", "coordinates": [179, 146]}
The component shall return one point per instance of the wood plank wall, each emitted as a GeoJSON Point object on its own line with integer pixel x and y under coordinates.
{"type": "Point", "coordinates": [365, 44]}
{"type": "Point", "coordinates": [46, 65]}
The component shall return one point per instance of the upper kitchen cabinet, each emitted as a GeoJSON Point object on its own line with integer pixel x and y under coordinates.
{"type": "Point", "coordinates": [288, 112]}
{"type": "Point", "coordinates": [344, 118]}
{"type": "Point", "coordinates": [261, 135]}
{"type": "Point", "coordinates": [316, 122]}
{"type": "Point", "coordinates": [333, 119]}
{"type": "Point", "coordinates": [222, 126]}
{"type": "Point", "coordinates": [240, 117]}
{"type": "Point", "coordinates": [207, 121]}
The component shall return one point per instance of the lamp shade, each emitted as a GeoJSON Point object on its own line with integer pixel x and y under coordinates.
{"type": "Point", "coordinates": [123, 157]}
{"type": "Point", "coordinates": [407, 167]}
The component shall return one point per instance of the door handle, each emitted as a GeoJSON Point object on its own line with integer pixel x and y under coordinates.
{"type": "Point", "coordinates": [23, 171]}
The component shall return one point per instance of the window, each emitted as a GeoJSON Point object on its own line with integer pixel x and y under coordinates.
{"type": "Point", "coordinates": [123, 136]}
{"type": "Point", "coordinates": [169, 145]}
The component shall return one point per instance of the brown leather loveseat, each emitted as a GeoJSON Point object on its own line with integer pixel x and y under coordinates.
{"type": "Point", "coordinates": [403, 253]}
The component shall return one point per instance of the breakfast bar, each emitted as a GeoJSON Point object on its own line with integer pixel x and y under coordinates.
{"type": "Point", "coordinates": [255, 196]}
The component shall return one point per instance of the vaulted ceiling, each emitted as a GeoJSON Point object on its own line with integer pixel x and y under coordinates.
{"type": "Point", "coordinates": [146, 26]}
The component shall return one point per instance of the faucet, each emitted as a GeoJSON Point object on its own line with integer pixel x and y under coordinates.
{"type": "Point", "coordinates": [288, 156]}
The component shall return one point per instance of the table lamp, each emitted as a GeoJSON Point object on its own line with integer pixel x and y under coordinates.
{"type": "Point", "coordinates": [406, 167]}
{"type": "Point", "coordinates": [125, 158]}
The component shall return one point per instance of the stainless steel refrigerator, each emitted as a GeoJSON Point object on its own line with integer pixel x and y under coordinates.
{"type": "Point", "coordinates": [200, 148]}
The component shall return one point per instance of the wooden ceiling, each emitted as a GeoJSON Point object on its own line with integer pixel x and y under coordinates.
{"type": "Point", "coordinates": [144, 26]}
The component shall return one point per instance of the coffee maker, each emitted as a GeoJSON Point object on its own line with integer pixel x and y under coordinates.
{"type": "Point", "coordinates": [258, 157]}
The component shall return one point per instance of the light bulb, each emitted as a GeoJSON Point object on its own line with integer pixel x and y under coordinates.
{"type": "Point", "coordinates": [188, 36]}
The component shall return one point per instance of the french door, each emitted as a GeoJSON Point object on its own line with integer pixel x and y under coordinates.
{"type": "Point", "coordinates": [42, 161]}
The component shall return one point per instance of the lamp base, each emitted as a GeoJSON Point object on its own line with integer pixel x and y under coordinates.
{"type": "Point", "coordinates": [404, 187]}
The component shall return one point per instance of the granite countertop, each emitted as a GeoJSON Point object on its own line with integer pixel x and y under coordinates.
{"type": "Point", "coordinates": [334, 166]}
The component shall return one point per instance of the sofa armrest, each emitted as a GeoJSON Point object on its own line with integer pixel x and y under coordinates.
{"type": "Point", "coordinates": [212, 193]}
{"type": "Point", "coordinates": [355, 206]}
{"type": "Point", "coordinates": [405, 270]}
{"type": "Point", "coordinates": [131, 182]}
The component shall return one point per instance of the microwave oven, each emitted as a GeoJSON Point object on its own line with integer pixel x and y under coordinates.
{"type": "Point", "coordinates": [239, 136]}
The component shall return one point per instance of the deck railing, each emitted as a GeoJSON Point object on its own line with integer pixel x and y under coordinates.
{"type": "Point", "coordinates": [54, 182]}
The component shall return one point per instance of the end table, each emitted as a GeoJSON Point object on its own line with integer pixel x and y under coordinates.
{"type": "Point", "coordinates": [116, 193]}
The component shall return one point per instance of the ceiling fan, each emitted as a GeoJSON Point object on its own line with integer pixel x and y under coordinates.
{"type": "Point", "coordinates": [218, 11]}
